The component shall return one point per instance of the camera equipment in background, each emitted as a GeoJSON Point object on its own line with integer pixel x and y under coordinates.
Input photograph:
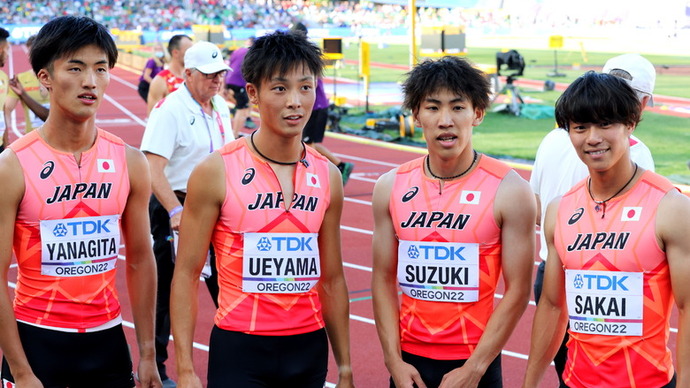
{"type": "Point", "coordinates": [510, 60]}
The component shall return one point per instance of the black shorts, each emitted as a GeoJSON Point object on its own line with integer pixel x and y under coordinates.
{"type": "Point", "coordinates": [76, 360]}
{"type": "Point", "coordinates": [143, 90]}
{"type": "Point", "coordinates": [241, 97]}
{"type": "Point", "coordinates": [253, 361]}
{"type": "Point", "coordinates": [315, 129]}
{"type": "Point", "coordinates": [432, 371]}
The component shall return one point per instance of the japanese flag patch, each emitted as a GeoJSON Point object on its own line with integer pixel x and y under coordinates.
{"type": "Point", "coordinates": [469, 197]}
{"type": "Point", "coordinates": [631, 213]}
{"type": "Point", "coordinates": [313, 180]}
{"type": "Point", "coordinates": [106, 165]}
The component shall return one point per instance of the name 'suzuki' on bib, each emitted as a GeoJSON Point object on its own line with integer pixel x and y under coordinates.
{"type": "Point", "coordinates": [79, 246]}
{"type": "Point", "coordinates": [605, 302]}
{"type": "Point", "coordinates": [280, 263]}
{"type": "Point", "coordinates": [439, 271]}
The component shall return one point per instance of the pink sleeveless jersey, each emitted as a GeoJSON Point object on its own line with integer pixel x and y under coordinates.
{"type": "Point", "coordinates": [449, 257]}
{"type": "Point", "coordinates": [618, 287]}
{"type": "Point", "coordinates": [267, 256]}
{"type": "Point", "coordinates": [67, 234]}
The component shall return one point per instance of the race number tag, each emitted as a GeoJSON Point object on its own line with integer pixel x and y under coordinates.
{"type": "Point", "coordinates": [280, 263]}
{"type": "Point", "coordinates": [605, 302]}
{"type": "Point", "coordinates": [439, 271]}
{"type": "Point", "coordinates": [79, 246]}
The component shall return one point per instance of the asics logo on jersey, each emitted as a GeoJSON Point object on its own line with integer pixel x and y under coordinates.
{"type": "Point", "coordinates": [248, 176]}
{"type": "Point", "coordinates": [47, 169]}
{"type": "Point", "coordinates": [576, 216]}
{"type": "Point", "coordinates": [410, 194]}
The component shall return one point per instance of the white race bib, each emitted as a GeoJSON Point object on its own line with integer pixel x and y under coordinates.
{"type": "Point", "coordinates": [280, 263]}
{"type": "Point", "coordinates": [605, 302]}
{"type": "Point", "coordinates": [439, 271]}
{"type": "Point", "coordinates": [79, 246]}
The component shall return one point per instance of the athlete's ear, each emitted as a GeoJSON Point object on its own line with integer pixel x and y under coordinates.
{"type": "Point", "coordinates": [45, 79]}
{"type": "Point", "coordinates": [252, 93]}
{"type": "Point", "coordinates": [478, 116]}
{"type": "Point", "coordinates": [417, 123]}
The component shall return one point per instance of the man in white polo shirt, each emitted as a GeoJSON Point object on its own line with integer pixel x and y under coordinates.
{"type": "Point", "coordinates": [183, 128]}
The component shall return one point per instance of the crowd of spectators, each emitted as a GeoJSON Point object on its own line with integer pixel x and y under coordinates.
{"type": "Point", "coordinates": [176, 14]}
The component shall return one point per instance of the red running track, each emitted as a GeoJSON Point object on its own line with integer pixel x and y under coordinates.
{"type": "Point", "coordinates": [123, 113]}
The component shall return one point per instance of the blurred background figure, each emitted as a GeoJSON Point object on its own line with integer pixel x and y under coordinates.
{"type": "Point", "coordinates": [153, 66]}
{"type": "Point", "coordinates": [35, 99]}
{"type": "Point", "coordinates": [236, 83]}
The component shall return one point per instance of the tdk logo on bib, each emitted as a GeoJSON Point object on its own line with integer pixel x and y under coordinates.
{"type": "Point", "coordinates": [264, 244]}
{"type": "Point", "coordinates": [600, 282]}
{"type": "Point", "coordinates": [285, 244]}
{"type": "Point", "coordinates": [60, 230]}
{"type": "Point", "coordinates": [436, 252]}
{"type": "Point", "coordinates": [82, 228]}
{"type": "Point", "coordinates": [578, 282]}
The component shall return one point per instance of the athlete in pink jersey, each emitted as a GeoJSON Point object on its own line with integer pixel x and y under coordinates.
{"type": "Point", "coordinates": [271, 207]}
{"type": "Point", "coordinates": [446, 226]}
{"type": "Point", "coordinates": [72, 195]}
{"type": "Point", "coordinates": [618, 254]}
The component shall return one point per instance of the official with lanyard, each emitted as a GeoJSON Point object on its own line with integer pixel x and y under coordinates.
{"type": "Point", "coordinates": [183, 128]}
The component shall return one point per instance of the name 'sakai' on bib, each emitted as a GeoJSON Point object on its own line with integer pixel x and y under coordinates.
{"type": "Point", "coordinates": [605, 302]}
{"type": "Point", "coordinates": [439, 271]}
{"type": "Point", "coordinates": [79, 246]}
{"type": "Point", "coordinates": [280, 263]}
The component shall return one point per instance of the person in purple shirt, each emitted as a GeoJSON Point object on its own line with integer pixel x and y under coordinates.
{"type": "Point", "coordinates": [235, 82]}
{"type": "Point", "coordinates": [153, 66]}
{"type": "Point", "coordinates": [314, 131]}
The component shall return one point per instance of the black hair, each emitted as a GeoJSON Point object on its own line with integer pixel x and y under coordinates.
{"type": "Point", "coordinates": [278, 53]}
{"type": "Point", "coordinates": [454, 74]}
{"type": "Point", "coordinates": [598, 98]}
{"type": "Point", "coordinates": [30, 41]}
{"type": "Point", "coordinates": [65, 35]}
{"type": "Point", "coordinates": [4, 34]}
{"type": "Point", "coordinates": [174, 42]}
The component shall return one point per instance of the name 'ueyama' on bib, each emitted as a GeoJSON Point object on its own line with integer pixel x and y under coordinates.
{"type": "Point", "coordinates": [605, 302]}
{"type": "Point", "coordinates": [79, 246]}
{"type": "Point", "coordinates": [280, 262]}
{"type": "Point", "coordinates": [439, 271]}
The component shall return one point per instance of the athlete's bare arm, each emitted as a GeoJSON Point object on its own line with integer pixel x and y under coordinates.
{"type": "Point", "coordinates": [384, 286]}
{"type": "Point", "coordinates": [161, 187]}
{"type": "Point", "coordinates": [13, 190]}
{"type": "Point", "coordinates": [157, 91]}
{"type": "Point", "coordinates": [517, 260]}
{"type": "Point", "coordinates": [39, 110]}
{"type": "Point", "coordinates": [10, 104]}
{"type": "Point", "coordinates": [551, 318]}
{"type": "Point", "coordinates": [205, 196]}
{"type": "Point", "coordinates": [331, 287]}
{"type": "Point", "coordinates": [673, 227]}
{"type": "Point", "coordinates": [141, 265]}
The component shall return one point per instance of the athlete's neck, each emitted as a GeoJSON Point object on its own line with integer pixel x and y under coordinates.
{"type": "Point", "coordinates": [68, 135]}
{"type": "Point", "coordinates": [177, 69]}
{"type": "Point", "coordinates": [605, 183]}
{"type": "Point", "coordinates": [283, 149]}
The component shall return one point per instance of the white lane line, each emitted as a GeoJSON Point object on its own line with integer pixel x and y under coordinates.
{"type": "Point", "coordinates": [359, 201]}
{"type": "Point", "coordinates": [124, 82]}
{"type": "Point", "coordinates": [372, 161]}
{"type": "Point", "coordinates": [125, 110]}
